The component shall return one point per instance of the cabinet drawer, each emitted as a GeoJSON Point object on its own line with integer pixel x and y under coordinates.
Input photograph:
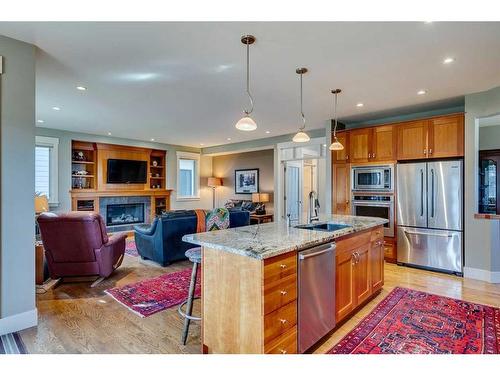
{"type": "Point", "coordinates": [389, 250]}
{"type": "Point", "coordinates": [279, 293]}
{"type": "Point", "coordinates": [279, 321]}
{"type": "Point", "coordinates": [377, 234]}
{"type": "Point", "coordinates": [352, 243]}
{"type": "Point", "coordinates": [284, 344]}
{"type": "Point", "coordinates": [279, 267]}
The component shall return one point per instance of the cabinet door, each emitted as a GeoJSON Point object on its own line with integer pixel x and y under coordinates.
{"type": "Point", "coordinates": [359, 145]}
{"type": "Point", "coordinates": [412, 140]}
{"type": "Point", "coordinates": [341, 156]}
{"type": "Point", "coordinates": [377, 264]}
{"type": "Point", "coordinates": [341, 189]}
{"type": "Point", "coordinates": [362, 274]}
{"type": "Point", "coordinates": [446, 136]}
{"type": "Point", "coordinates": [344, 285]}
{"type": "Point", "coordinates": [383, 143]}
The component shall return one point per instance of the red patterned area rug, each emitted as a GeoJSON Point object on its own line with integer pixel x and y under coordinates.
{"type": "Point", "coordinates": [150, 296]}
{"type": "Point", "coordinates": [412, 322]}
{"type": "Point", "coordinates": [130, 248]}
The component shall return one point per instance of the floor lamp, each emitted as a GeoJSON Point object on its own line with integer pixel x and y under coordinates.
{"type": "Point", "coordinates": [213, 182]}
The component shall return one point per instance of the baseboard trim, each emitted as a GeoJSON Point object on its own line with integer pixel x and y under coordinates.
{"type": "Point", "coordinates": [483, 275]}
{"type": "Point", "coordinates": [18, 322]}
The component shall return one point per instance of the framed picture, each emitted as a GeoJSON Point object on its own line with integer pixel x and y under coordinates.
{"type": "Point", "coordinates": [246, 181]}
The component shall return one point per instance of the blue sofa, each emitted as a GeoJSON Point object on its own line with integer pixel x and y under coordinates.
{"type": "Point", "coordinates": [162, 242]}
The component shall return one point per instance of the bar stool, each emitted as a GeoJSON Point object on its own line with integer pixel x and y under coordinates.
{"type": "Point", "coordinates": [194, 255]}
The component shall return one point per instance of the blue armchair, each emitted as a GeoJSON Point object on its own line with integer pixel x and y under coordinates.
{"type": "Point", "coordinates": [162, 242]}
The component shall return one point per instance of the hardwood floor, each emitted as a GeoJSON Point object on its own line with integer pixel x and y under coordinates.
{"type": "Point", "coordinates": [73, 318]}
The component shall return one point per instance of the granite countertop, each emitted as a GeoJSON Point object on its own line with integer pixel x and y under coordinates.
{"type": "Point", "coordinates": [263, 241]}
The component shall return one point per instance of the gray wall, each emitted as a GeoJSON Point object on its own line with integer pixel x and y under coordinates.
{"type": "Point", "coordinates": [17, 275]}
{"type": "Point", "coordinates": [489, 137]}
{"type": "Point", "coordinates": [482, 247]}
{"type": "Point", "coordinates": [225, 165]}
{"type": "Point", "coordinates": [64, 161]}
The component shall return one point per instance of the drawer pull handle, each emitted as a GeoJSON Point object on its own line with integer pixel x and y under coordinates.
{"type": "Point", "coordinates": [282, 351]}
{"type": "Point", "coordinates": [283, 321]}
{"type": "Point", "coordinates": [283, 265]}
{"type": "Point", "coordinates": [283, 292]}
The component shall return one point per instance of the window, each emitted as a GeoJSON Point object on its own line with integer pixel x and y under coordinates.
{"type": "Point", "coordinates": [188, 175]}
{"type": "Point", "coordinates": [46, 172]}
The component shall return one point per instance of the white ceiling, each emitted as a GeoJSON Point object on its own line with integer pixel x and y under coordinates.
{"type": "Point", "coordinates": [183, 83]}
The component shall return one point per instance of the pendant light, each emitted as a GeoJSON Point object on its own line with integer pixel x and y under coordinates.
{"type": "Point", "coordinates": [247, 123]}
{"type": "Point", "coordinates": [301, 136]}
{"type": "Point", "coordinates": [336, 145]}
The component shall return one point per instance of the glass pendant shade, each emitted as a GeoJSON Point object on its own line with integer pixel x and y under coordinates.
{"type": "Point", "coordinates": [246, 124]}
{"type": "Point", "coordinates": [301, 137]}
{"type": "Point", "coordinates": [336, 145]}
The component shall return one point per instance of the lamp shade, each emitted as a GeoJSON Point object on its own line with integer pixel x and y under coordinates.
{"type": "Point", "coordinates": [41, 204]}
{"type": "Point", "coordinates": [246, 124]}
{"type": "Point", "coordinates": [260, 197]}
{"type": "Point", "coordinates": [336, 145]}
{"type": "Point", "coordinates": [301, 137]}
{"type": "Point", "coordinates": [214, 181]}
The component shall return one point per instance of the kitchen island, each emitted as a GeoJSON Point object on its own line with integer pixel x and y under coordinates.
{"type": "Point", "coordinates": [250, 278]}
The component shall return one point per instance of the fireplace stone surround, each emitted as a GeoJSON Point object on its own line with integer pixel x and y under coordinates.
{"type": "Point", "coordinates": [125, 202]}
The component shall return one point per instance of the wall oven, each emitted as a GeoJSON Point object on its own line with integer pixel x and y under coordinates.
{"type": "Point", "coordinates": [373, 178]}
{"type": "Point", "coordinates": [375, 206]}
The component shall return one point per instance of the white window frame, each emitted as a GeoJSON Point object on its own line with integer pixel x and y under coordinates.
{"type": "Point", "coordinates": [196, 158]}
{"type": "Point", "coordinates": [53, 144]}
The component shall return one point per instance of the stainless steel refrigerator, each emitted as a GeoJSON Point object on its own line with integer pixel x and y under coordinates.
{"type": "Point", "coordinates": [429, 215]}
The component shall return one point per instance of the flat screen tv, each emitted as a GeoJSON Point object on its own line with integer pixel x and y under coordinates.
{"type": "Point", "coordinates": [122, 171]}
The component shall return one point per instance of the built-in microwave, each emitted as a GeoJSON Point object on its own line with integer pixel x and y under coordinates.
{"type": "Point", "coordinates": [373, 178]}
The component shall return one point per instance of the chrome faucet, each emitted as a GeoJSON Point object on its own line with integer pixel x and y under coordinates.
{"type": "Point", "coordinates": [313, 207]}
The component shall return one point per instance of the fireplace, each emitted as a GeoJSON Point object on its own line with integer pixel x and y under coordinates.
{"type": "Point", "coordinates": [124, 214]}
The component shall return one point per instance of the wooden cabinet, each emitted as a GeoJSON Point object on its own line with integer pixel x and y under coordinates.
{"type": "Point", "coordinates": [359, 270]}
{"type": "Point", "coordinates": [446, 136]}
{"type": "Point", "coordinates": [341, 156]}
{"type": "Point", "coordinates": [359, 145]}
{"type": "Point", "coordinates": [377, 264]}
{"type": "Point", "coordinates": [412, 140]}
{"type": "Point", "coordinates": [383, 145]}
{"type": "Point", "coordinates": [437, 137]}
{"type": "Point", "coordinates": [341, 189]}
{"type": "Point", "coordinates": [362, 274]}
{"type": "Point", "coordinates": [344, 284]}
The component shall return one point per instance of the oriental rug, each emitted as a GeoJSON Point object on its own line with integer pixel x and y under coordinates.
{"type": "Point", "coordinates": [412, 322]}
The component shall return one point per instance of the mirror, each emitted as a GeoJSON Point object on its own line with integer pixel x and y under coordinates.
{"type": "Point", "coordinates": [489, 162]}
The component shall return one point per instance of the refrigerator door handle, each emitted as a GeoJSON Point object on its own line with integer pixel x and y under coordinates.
{"type": "Point", "coordinates": [428, 234]}
{"type": "Point", "coordinates": [421, 192]}
{"type": "Point", "coordinates": [432, 192]}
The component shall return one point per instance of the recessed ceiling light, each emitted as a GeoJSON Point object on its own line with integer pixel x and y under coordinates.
{"type": "Point", "coordinates": [152, 139]}
{"type": "Point", "coordinates": [359, 105]}
{"type": "Point", "coordinates": [56, 108]}
{"type": "Point", "coordinates": [109, 133]}
{"type": "Point", "coordinates": [448, 60]}
{"type": "Point", "coordinates": [267, 132]}
{"type": "Point", "coordinates": [40, 121]}
{"type": "Point", "coordinates": [428, 21]}
{"type": "Point", "coordinates": [81, 88]}
{"type": "Point", "coordinates": [422, 92]}
{"type": "Point", "coordinates": [228, 139]}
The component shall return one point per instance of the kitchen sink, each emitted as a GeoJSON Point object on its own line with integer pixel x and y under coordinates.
{"type": "Point", "coordinates": [325, 227]}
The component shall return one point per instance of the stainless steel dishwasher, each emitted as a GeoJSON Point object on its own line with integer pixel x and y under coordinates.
{"type": "Point", "coordinates": [316, 315]}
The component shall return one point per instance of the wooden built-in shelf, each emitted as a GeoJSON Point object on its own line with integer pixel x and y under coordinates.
{"type": "Point", "coordinates": [87, 189]}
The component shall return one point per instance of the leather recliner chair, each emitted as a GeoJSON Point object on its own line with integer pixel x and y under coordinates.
{"type": "Point", "coordinates": [76, 244]}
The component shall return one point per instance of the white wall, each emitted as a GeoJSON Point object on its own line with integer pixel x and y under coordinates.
{"type": "Point", "coordinates": [64, 162]}
{"type": "Point", "coordinates": [17, 151]}
{"type": "Point", "coordinates": [489, 137]}
{"type": "Point", "coordinates": [482, 247]}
